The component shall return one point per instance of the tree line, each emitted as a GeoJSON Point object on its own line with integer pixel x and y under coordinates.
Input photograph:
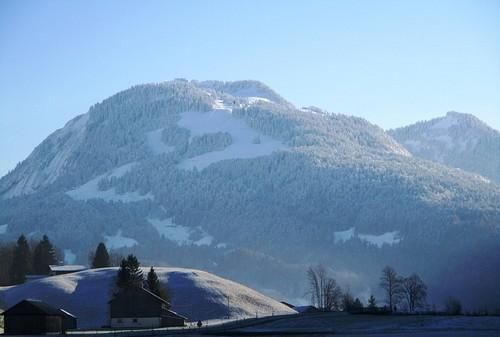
{"type": "Point", "coordinates": [34, 257]}
{"type": "Point", "coordinates": [401, 293]}
{"type": "Point", "coordinates": [411, 291]}
{"type": "Point", "coordinates": [23, 258]}
{"type": "Point", "coordinates": [130, 275]}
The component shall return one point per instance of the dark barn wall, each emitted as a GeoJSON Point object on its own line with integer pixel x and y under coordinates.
{"type": "Point", "coordinates": [69, 323]}
{"type": "Point", "coordinates": [172, 321]}
{"type": "Point", "coordinates": [31, 324]}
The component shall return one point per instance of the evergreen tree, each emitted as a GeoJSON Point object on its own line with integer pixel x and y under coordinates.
{"type": "Point", "coordinates": [123, 279]}
{"type": "Point", "coordinates": [154, 285]}
{"type": "Point", "coordinates": [130, 273]}
{"type": "Point", "coordinates": [43, 256]}
{"type": "Point", "coordinates": [372, 303]}
{"type": "Point", "coordinates": [152, 282]}
{"type": "Point", "coordinates": [357, 306]}
{"type": "Point", "coordinates": [21, 262]}
{"type": "Point", "coordinates": [101, 257]}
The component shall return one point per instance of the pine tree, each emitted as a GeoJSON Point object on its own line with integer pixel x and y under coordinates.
{"type": "Point", "coordinates": [136, 277]}
{"type": "Point", "coordinates": [154, 285]}
{"type": "Point", "coordinates": [43, 256]}
{"type": "Point", "coordinates": [21, 262]}
{"type": "Point", "coordinates": [130, 273]}
{"type": "Point", "coordinates": [152, 282]}
{"type": "Point", "coordinates": [357, 305]}
{"type": "Point", "coordinates": [101, 257]}
{"type": "Point", "coordinates": [123, 279]}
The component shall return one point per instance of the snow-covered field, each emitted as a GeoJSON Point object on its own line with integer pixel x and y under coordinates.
{"type": "Point", "coordinates": [197, 295]}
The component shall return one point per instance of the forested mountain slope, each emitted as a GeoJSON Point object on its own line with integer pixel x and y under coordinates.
{"type": "Point", "coordinates": [457, 140]}
{"type": "Point", "coordinates": [230, 177]}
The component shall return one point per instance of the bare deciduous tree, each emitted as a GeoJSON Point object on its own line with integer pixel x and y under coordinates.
{"type": "Point", "coordinates": [414, 292]}
{"type": "Point", "coordinates": [392, 285]}
{"type": "Point", "coordinates": [324, 291]}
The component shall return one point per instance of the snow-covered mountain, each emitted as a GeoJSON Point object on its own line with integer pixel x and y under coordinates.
{"type": "Point", "coordinates": [196, 294]}
{"type": "Point", "coordinates": [457, 140]}
{"type": "Point", "coordinates": [231, 178]}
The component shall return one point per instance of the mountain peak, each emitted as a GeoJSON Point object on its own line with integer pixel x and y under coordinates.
{"type": "Point", "coordinates": [457, 139]}
{"type": "Point", "coordinates": [243, 89]}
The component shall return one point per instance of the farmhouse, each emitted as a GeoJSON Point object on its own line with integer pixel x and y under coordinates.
{"type": "Point", "coordinates": [140, 308]}
{"type": "Point", "coordinates": [33, 317]}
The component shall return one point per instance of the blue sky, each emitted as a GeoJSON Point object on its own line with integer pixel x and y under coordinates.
{"type": "Point", "coordinates": [391, 62]}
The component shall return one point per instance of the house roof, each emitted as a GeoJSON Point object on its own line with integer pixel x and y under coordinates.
{"type": "Point", "coordinates": [171, 313]}
{"type": "Point", "coordinates": [35, 307]}
{"type": "Point", "coordinates": [67, 314]}
{"type": "Point", "coordinates": [132, 293]}
{"type": "Point", "coordinates": [67, 268]}
{"type": "Point", "coordinates": [142, 290]}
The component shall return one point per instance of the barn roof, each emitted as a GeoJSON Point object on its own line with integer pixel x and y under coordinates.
{"type": "Point", "coordinates": [34, 307]}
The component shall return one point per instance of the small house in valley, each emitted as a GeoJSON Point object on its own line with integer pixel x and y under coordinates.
{"type": "Point", "coordinates": [34, 317]}
{"type": "Point", "coordinates": [140, 308]}
{"type": "Point", "coordinates": [65, 269]}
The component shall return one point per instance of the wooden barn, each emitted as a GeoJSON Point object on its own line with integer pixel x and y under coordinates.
{"type": "Point", "coordinates": [34, 317]}
{"type": "Point", "coordinates": [140, 308]}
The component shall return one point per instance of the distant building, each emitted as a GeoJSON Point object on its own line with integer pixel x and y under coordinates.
{"type": "Point", "coordinates": [65, 269]}
{"type": "Point", "coordinates": [34, 277]}
{"type": "Point", "coordinates": [291, 306]}
{"type": "Point", "coordinates": [34, 317]}
{"type": "Point", "coordinates": [306, 309]}
{"type": "Point", "coordinates": [140, 308]}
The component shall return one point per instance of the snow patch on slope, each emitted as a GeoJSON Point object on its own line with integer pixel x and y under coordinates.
{"type": "Point", "coordinates": [3, 228]}
{"type": "Point", "coordinates": [388, 238]}
{"type": "Point", "coordinates": [119, 241]}
{"type": "Point", "coordinates": [90, 190]}
{"type": "Point", "coordinates": [181, 235]}
{"type": "Point", "coordinates": [206, 240]}
{"type": "Point", "coordinates": [243, 145]}
{"type": "Point", "coordinates": [155, 143]}
{"type": "Point", "coordinates": [255, 99]}
{"type": "Point", "coordinates": [344, 236]}
{"type": "Point", "coordinates": [171, 231]}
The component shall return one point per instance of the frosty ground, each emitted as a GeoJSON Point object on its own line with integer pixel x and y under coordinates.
{"type": "Point", "coordinates": [341, 324]}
